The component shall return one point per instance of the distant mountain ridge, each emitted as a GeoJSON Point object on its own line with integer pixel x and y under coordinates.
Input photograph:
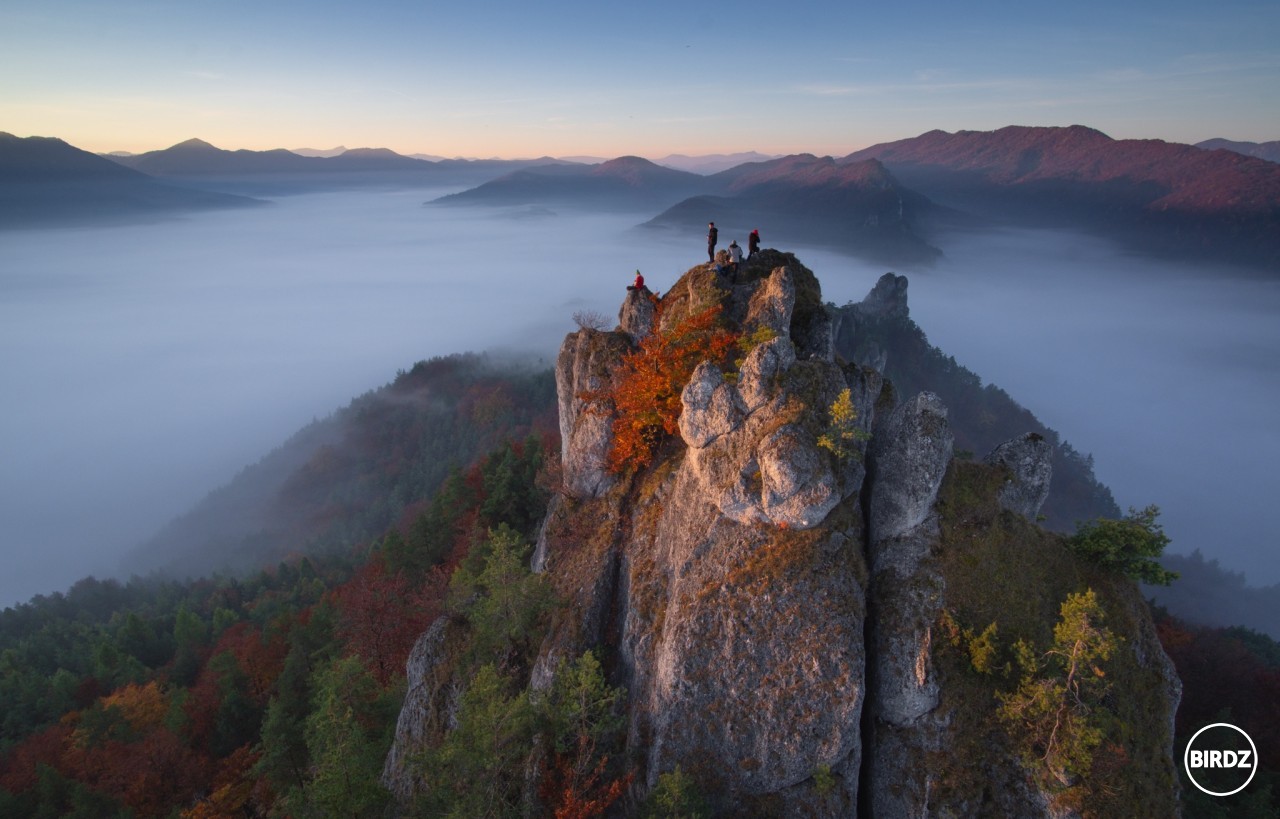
{"type": "Point", "coordinates": [628, 182]}
{"type": "Point", "coordinates": [1151, 196]}
{"type": "Point", "coordinates": [1158, 196]}
{"type": "Point", "coordinates": [44, 180]}
{"type": "Point", "coordinates": [1165, 175]}
{"type": "Point", "coordinates": [321, 152]}
{"type": "Point", "coordinates": [280, 171]}
{"type": "Point", "coordinates": [712, 163]}
{"type": "Point", "coordinates": [859, 207]}
{"type": "Point", "coordinates": [1269, 151]}
{"type": "Point", "coordinates": [195, 157]}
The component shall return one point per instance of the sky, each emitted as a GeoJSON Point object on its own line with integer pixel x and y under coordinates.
{"type": "Point", "coordinates": [520, 79]}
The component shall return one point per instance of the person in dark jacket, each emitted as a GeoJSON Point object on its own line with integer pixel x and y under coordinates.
{"type": "Point", "coordinates": [712, 236]}
{"type": "Point", "coordinates": [753, 243]}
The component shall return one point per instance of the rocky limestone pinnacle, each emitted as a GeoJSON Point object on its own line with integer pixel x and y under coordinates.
{"type": "Point", "coordinates": [909, 458]}
{"type": "Point", "coordinates": [775, 612]}
{"type": "Point", "coordinates": [586, 431]}
{"type": "Point", "coordinates": [1029, 459]}
{"type": "Point", "coordinates": [888, 299]}
{"type": "Point", "coordinates": [635, 317]}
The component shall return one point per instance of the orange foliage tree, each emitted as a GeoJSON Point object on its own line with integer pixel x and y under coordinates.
{"type": "Point", "coordinates": [646, 389]}
{"type": "Point", "coordinates": [382, 614]}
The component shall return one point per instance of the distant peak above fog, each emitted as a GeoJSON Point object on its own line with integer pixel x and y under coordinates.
{"type": "Point", "coordinates": [712, 163]}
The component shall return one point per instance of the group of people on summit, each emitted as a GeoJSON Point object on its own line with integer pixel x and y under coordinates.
{"type": "Point", "coordinates": [735, 252]}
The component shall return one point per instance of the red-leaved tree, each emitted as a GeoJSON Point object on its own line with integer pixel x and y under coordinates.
{"type": "Point", "coordinates": [645, 393]}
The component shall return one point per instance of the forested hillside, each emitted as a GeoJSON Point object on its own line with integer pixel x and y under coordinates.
{"type": "Point", "coordinates": [272, 694]}
{"type": "Point", "coordinates": [348, 477]}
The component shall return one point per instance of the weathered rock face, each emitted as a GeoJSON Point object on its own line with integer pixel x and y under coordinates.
{"type": "Point", "coordinates": [752, 446]}
{"type": "Point", "coordinates": [908, 462]}
{"type": "Point", "coordinates": [585, 361]}
{"type": "Point", "coordinates": [743, 650]}
{"type": "Point", "coordinates": [740, 579]}
{"type": "Point", "coordinates": [887, 300]}
{"type": "Point", "coordinates": [910, 457]}
{"type": "Point", "coordinates": [635, 317]}
{"type": "Point", "coordinates": [1029, 460]}
{"type": "Point", "coordinates": [430, 707]}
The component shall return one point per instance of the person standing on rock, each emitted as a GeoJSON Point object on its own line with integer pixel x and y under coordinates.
{"type": "Point", "coordinates": [712, 236]}
{"type": "Point", "coordinates": [753, 243]}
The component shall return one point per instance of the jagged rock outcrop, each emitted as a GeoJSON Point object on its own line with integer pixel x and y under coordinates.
{"type": "Point", "coordinates": [635, 317]}
{"type": "Point", "coordinates": [585, 361]}
{"type": "Point", "coordinates": [908, 462]}
{"type": "Point", "coordinates": [1029, 460]}
{"type": "Point", "coordinates": [886, 301]}
{"type": "Point", "coordinates": [752, 449]}
{"type": "Point", "coordinates": [910, 457]}
{"type": "Point", "coordinates": [740, 582]}
{"type": "Point", "coordinates": [784, 618]}
{"type": "Point", "coordinates": [430, 707]}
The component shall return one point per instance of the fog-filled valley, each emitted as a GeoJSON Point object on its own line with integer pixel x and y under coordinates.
{"type": "Point", "coordinates": [145, 364]}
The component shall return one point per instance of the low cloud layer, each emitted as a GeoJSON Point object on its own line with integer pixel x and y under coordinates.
{"type": "Point", "coordinates": [144, 365]}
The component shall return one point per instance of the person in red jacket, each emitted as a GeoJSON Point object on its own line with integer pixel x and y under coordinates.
{"type": "Point", "coordinates": [753, 243]}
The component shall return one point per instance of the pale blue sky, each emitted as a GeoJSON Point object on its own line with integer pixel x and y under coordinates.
{"type": "Point", "coordinates": [526, 79]}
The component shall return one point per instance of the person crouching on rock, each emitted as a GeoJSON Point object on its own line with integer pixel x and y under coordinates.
{"type": "Point", "coordinates": [639, 283]}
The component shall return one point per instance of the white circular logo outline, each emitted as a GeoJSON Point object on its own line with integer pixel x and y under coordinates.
{"type": "Point", "coordinates": [1187, 750]}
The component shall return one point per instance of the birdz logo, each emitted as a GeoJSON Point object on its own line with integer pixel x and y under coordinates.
{"type": "Point", "coordinates": [1220, 759]}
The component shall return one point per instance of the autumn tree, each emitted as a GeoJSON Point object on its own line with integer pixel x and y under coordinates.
{"type": "Point", "coordinates": [381, 613]}
{"type": "Point", "coordinates": [842, 434]}
{"type": "Point", "coordinates": [645, 393]}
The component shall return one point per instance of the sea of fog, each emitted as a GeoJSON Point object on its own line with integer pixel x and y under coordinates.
{"type": "Point", "coordinates": [144, 365]}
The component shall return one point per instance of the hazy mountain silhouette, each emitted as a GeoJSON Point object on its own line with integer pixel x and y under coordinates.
{"type": "Point", "coordinates": [625, 183]}
{"type": "Point", "coordinates": [319, 151]}
{"type": "Point", "coordinates": [281, 171]}
{"type": "Point", "coordinates": [46, 181]}
{"type": "Point", "coordinates": [1269, 151]}
{"type": "Point", "coordinates": [712, 163]}
{"type": "Point", "coordinates": [195, 157]}
{"type": "Point", "coordinates": [858, 207]}
{"type": "Point", "coordinates": [1156, 196]}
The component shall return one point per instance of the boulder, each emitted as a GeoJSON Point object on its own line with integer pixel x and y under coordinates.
{"type": "Point", "coordinates": [635, 317]}
{"type": "Point", "coordinates": [1029, 459]}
